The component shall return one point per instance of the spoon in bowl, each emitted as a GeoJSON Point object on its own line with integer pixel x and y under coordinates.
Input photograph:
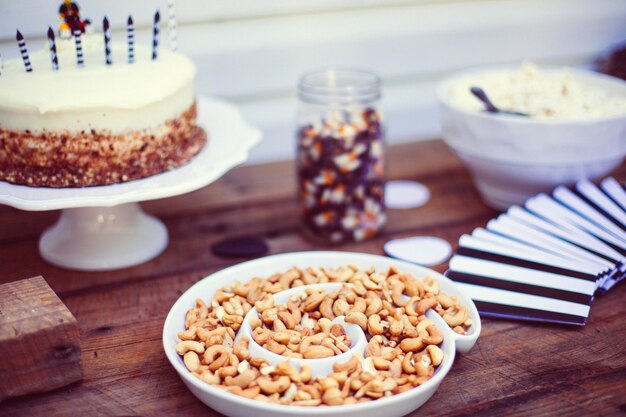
{"type": "Point", "coordinates": [489, 106]}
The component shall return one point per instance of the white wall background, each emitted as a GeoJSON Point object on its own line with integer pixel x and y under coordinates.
{"type": "Point", "coordinates": [251, 52]}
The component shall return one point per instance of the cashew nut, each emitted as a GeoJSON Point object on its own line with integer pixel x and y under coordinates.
{"type": "Point", "coordinates": [313, 301]}
{"type": "Point", "coordinates": [456, 316]}
{"type": "Point", "coordinates": [191, 360]}
{"type": "Point", "coordinates": [425, 304]}
{"type": "Point", "coordinates": [317, 351]}
{"type": "Point", "coordinates": [325, 325]}
{"type": "Point", "coordinates": [396, 327]}
{"type": "Point", "coordinates": [436, 354]}
{"type": "Point", "coordinates": [288, 319]}
{"type": "Point", "coordinates": [250, 392]}
{"type": "Point", "coordinates": [374, 305]}
{"type": "Point", "coordinates": [349, 366]}
{"type": "Point", "coordinates": [209, 378]}
{"type": "Point", "coordinates": [407, 364]}
{"type": "Point", "coordinates": [187, 345]}
{"type": "Point", "coordinates": [429, 333]}
{"type": "Point", "coordinates": [306, 373]}
{"type": "Point", "coordinates": [412, 344]}
{"type": "Point", "coordinates": [373, 347]}
{"type": "Point", "coordinates": [357, 318]}
{"type": "Point", "coordinates": [285, 368]}
{"type": "Point", "coordinates": [326, 308]}
{"type": "Point", "coordinates": [380, 363]}
{"type": "Point", "coordinates": [410, 285]}
{"type": "Point", "coordinates": [340, 307]}
{"type": "Point", "coordinates": [264, 304]}
{"type": "Point", "coordinates": [232, 320]}
{"type": "Point", "coordinates": [332, 396]}
{"type": "Point", "coordinates": [396, 294]}
{"type": "Point", "coordinates": [241, 348]}
{"type": "Point", "coordinates": [422, 365]}
{"type": "Point", "coordinates": [374, 326]}
{"type": "Point", "coordinates": [273, 346]}
{"type": "Point", "coordinates": [216, 357]}
{"type": "Point", "coordinates": [189, 334]}
{"type": "Point", "coordinates": [270, 387]}
{"type": "Point", "coordinates": [431, 285]}
{"type": "Point", "coordinates": [227, 371]}
{"type": "Point", "coordinates": [368, 366]}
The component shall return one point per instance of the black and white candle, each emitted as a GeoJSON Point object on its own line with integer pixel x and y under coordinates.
{"type": "Point", "coordinates": [155, 35]}
{"type": "Point", "coordinates": [107, 41]}
{"type": "Point", "coordinates": [171, 25]}
{"type": "Point", "coordinates": [53, 49]}
{"type": "Point", "coordinates": [80, 58]}
{"type": "Point", "coordinates": [21, 43]}
{"type": "Point", "coordinates": [130, 34]}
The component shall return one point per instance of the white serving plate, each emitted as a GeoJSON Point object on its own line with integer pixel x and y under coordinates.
{"type": "Point", "coordinates": [235, 406]}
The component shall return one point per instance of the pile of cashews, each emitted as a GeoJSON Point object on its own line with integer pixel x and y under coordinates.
{"type": "Point", "coordinates": [302, 328]}
{"type": "Point", "coordinates": [402, 350]}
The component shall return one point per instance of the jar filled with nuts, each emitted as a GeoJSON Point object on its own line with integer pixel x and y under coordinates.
{"type": "Point", "coordinates": [340, 155]}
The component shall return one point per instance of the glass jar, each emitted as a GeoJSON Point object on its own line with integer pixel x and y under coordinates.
{"type": "Point", "coordinates": [340, 155]}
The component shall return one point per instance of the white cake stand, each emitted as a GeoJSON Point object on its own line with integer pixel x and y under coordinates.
{"type": "Point", "coordinates": [103, 228]}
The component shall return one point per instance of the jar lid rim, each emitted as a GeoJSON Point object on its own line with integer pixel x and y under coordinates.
{"type": "Point", "coordinates": [342, 84]}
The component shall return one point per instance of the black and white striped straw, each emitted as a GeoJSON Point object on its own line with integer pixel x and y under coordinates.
{"type": "Point", "coordinates": [80, 59]}
{"type": "Point", "coordinates": [130, 34]}
{"type": "Point", "coordinates": [107, 41]}
{"type": "Point", "coordinates": [53, 49]}
{"type": "Point", "coordinates": [21, 43]}
{"type": "Point", "coordinates": [155, 35]}
{"type": "Point", "coordinates": [171, 25]}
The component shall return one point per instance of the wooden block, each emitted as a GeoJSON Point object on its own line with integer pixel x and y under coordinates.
{"type": "Point", "coordinates": [39, 339]}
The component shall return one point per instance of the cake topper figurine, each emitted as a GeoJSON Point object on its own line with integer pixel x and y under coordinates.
{"type": "Point", "coordinates": [171, 25]}
{"type": "Point", "coordinates": [53, 49]}
{"type": "Point", "coordinates": [69, 12]}
{"type": "Point", "coordinates": [155, 35]}
{"type": "Point", "coordinates": [107, 41]}
{"type": "Point", "coordinates": [21, 43]}
{"type": "Point", "coordinates": [130, 34]}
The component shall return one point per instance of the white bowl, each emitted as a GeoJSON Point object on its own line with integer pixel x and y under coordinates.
{"type": "Point", "coordinates": [512, 158]}
{"type": "Point", "coordinates": [235, 406]}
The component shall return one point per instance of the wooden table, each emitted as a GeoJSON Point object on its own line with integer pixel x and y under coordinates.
{"type": "Point", "coordinates": [515, 368]}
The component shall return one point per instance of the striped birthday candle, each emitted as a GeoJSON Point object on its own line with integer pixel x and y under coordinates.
{"type": "Point", "coordinates": [155, 35]}
{"type": "Point", "coordinates": [53, 49]}
{"type": "Point", "coordinates": [80, 59]}
{"type": "Point", "coordinates": [107, 41]}
{"type": "Point", "coordinates": [21, 43]}
{"type": "Point", "coordinates": [171, 25]}
{"type": "Point", "coordinates": [130, 34]}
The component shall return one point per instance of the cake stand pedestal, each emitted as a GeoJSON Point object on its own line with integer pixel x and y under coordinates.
{"type": "Point", "coordinates": [104, 228]}
{"type": "Point", "coordinates": [101, 238]}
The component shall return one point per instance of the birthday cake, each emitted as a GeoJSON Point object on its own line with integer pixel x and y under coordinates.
{"type": "Point", "coordinates": [87, 111]}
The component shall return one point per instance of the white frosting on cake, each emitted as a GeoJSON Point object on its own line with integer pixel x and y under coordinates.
{"type": "Point", "coordinates": [117, 98]}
